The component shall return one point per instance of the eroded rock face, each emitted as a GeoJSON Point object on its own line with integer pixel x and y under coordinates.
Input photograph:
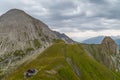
{"type": "Point", "coordinates": [19, 31]}
{"type": "Point", "coordinates": [110, 51]}
{"type": "Point", "coordinates": [109, 43]}
{"type": "Point", "coordinates": [106, 53]}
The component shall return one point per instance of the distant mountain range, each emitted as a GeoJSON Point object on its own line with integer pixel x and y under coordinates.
{"type": "Point", "coordinates": [98, 40]}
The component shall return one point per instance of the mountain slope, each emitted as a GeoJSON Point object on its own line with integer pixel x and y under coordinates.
{"type": "Point", "coordinates": [64, 62]}
{"type": "Point", "coordinates": [106, 53]}
{"type": "Point", "coordinates": [21, 36]}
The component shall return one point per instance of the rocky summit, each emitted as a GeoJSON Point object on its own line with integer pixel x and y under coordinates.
{"type": "Point", "coordinates": [109, 43]}
{"type": "Point", "coordinates": [111, 54]}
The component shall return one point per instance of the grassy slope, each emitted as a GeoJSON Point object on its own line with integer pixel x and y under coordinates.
{"type": "Point", "coordinates": [64, 62]}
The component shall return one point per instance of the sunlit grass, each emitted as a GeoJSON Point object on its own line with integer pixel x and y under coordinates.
{"type": "Point", "coordinates": [52, 64]}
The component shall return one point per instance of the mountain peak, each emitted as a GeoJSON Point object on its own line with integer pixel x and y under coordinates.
{"type": "Point", "coordinates": [109, 44]}
{"type": "Point", "coordinates": [108, 40]}
{"type": "Point", "coordinates": [15, 10]}
{"type": "Point", "coordinates": [15, 19]}
{"type": "Point", "coordinates": [13, 15]}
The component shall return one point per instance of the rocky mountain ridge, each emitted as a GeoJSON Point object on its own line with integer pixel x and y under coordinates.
{"type": "Point", "coordinates": [21, 35]}
{"type": "Point", "coordinates": [106, 53]}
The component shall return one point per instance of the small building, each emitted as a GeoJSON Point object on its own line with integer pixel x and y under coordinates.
{"type": "Point", "coordinates": [30, 72]}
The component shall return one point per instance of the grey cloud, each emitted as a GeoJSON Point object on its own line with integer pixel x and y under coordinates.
{"type": "Point", "coordinates": [83, 14]}
{"type": "Point", "coordinates": [63, 5]}
{"type": "Point", "coordinates": [98, 1]}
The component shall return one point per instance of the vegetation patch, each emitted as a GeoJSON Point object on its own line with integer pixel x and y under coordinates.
{"type": "Point", "coordinates": [36, 43]}
{"type": "Point", "coordinates": [19, 53]}
{"type": "Point", "coordinates": [29, 50]}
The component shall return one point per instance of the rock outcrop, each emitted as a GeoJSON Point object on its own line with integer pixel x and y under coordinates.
{"type": "Point", "coordinates": [64, 37]}
{"type": "Point", "coordinates": [109, 43]}
{"type": "Point", "coordinates": [106, 53]}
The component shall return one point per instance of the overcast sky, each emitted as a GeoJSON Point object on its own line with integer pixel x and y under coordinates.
{"type": "Point", "coordinates": [79, 19]}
